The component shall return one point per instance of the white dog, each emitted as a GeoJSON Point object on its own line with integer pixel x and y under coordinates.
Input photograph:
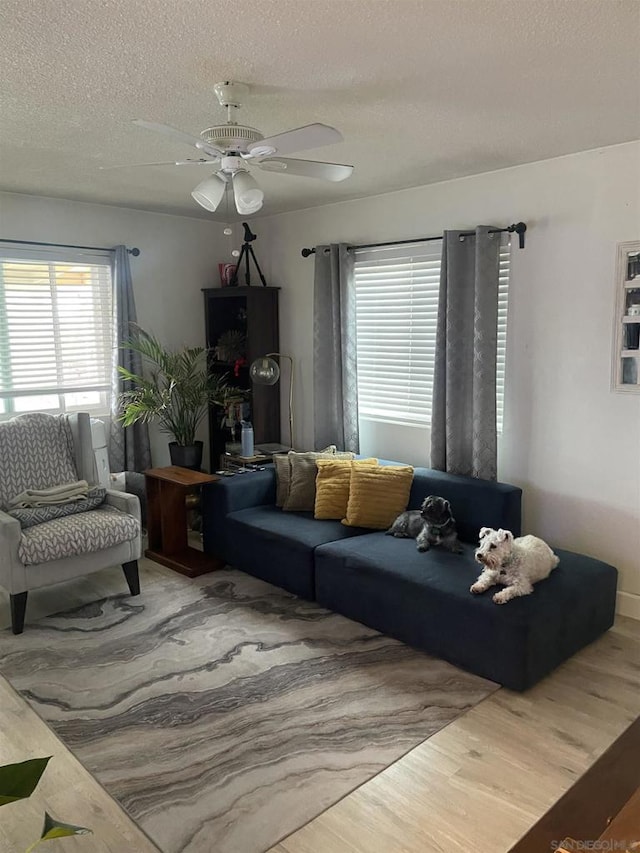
{"type": "Point", "coordinates": [515, 563]}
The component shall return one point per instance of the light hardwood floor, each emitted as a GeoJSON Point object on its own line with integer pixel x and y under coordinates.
{"type": "Point", "coordinates": [481, 783]}
{"type": "Point", "coordinates": [66, 790]}
{"type": "Point", "coordinates": [477, 785]}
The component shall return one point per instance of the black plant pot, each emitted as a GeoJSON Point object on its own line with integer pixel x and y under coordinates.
{"type": "Point", "coordinates": [189, 456]}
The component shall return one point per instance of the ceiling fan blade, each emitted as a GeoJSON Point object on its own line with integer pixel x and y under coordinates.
{"type": "Point", "coordinates": [179, 135]}
{"type": "Point", "coordinates": [299, 139]}
{"type": "Point", "coordinates": [307, 169]}
{"type": "Point", "coordinates": [165, 163]}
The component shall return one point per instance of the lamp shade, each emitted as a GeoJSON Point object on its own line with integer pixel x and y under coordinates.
{"type": "Point", "coordinates": [264, 371]}
{"type": "Point", "coordinates": [209, 192]}
{"type": "Point", "coordinates": [248, 195]}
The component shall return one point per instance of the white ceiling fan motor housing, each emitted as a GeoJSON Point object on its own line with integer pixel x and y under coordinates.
{"type": "Point", "coordinates": [231, 137]}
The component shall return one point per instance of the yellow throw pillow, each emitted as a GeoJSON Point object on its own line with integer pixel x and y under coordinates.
{"type": "Point", "coordinates": [332, 486]}
{"type": "Point", "coordinates": [377, 495]}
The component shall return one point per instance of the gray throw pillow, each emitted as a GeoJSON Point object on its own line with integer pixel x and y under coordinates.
{"type": "Point", "coordinates": [283, 477]}
{"type": "Point", "coordinates": [302, 482]}
{"type": "Point", "coordinates": [28, 517]}
{"type": "Point", "coordinates": [282, 464]}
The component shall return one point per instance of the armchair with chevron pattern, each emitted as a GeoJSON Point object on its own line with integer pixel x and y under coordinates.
{"type": "Point", "coordinates": [54, 525]}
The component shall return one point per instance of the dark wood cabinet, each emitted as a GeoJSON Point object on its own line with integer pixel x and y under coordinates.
{"type": "Point", "coordinates": [253, 311]}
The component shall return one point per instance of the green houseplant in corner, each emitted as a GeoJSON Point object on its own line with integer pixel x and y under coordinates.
{"type": "Point", "coordinates": [17, 782]}
{"type": "Point", "coordinates": [176, 390]}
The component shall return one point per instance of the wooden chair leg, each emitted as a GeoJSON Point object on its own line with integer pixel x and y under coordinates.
{"type": "Point", "coordinates": [131, 574]}
{"type": "Point", "coordinates": [18, 608]}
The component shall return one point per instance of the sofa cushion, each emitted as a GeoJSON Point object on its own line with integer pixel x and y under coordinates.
{"type": "Point", "coordinates": [332, 486]}
{"type": "Point", "coordinates": [424, 600]}
{"type": "Point", "coordinates": [278, 547]}
{"type": "Point", "coordinates": [377, 495]}
{"type": "Point", "coordinates": [87, 532]}
{"type": "Point", "coordinates": [474, 503]}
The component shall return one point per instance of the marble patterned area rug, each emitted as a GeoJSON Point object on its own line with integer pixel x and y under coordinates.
{"type": "Point", "coordinates": [224, 713]}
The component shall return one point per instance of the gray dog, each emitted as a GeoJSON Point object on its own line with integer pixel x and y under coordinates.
{"type": "Point", "coordinates": [432, 524]}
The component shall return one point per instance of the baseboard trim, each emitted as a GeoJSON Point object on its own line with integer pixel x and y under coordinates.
{"type": "Point", "coordinates": [628, 604]}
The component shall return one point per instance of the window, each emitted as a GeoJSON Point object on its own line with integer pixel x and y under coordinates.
{"type": "Point", "coordinates": [396, 315]}
{"type": "Point", "coordinates": [55, 331]}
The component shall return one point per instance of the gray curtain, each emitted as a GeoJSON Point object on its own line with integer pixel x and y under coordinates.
{"type": "Point", "coordinates": [129, 448]}
{"type": "Point", "coordinates": [335, 389]}
{"type": "Point", "coordinates": [463, 422]}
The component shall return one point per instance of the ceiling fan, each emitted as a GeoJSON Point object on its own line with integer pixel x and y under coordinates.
{"type": "Point", "coordinates": [231, 147]}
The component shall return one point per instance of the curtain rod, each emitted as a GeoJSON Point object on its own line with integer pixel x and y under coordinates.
{"type": "Point", "coordinates": [519, 228]}
{"type": "Point", "coordinates": [135, 252]}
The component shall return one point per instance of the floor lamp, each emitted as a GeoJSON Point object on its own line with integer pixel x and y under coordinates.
{"type": "Point", "coordinates": [265, 370]}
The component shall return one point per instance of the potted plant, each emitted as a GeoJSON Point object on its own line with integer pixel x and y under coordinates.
{"type": "Point", "coordinates": [17, 782]}
{"type": "Point", "coordinates": [176, 392]}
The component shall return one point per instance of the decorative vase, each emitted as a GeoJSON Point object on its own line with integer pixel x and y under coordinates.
{"type": "Point", "coordinates": [186, 456]}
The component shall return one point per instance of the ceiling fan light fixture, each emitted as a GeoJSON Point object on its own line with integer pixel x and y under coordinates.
{"type": "Point", "coordinates": [248, 209]}
{"type": "Point", "coordinates": [246, 192]}
{"type": "Point", "coordinates": [209, 192]}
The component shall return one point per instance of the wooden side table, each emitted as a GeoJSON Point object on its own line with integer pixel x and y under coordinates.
{"type": "Point", "coordinates": [167, 489]}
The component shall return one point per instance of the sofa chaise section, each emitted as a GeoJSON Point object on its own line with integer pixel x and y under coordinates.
{"type": "Point", "coordinates": [424, 600]}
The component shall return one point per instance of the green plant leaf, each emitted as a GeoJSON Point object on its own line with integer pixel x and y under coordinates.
{"type": "Point", "coordinates": [56, 829]}
{"type": "Point", "coordinates": [18, 781]}
{"type": "Point", "coordinates": [177, 389]}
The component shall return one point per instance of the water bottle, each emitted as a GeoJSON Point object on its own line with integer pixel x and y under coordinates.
{"type": "Point", "coordinates": [246, 439]}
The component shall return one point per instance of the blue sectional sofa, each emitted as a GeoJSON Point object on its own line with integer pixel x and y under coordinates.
{"type": "Point", "coordinates": [422, 599]}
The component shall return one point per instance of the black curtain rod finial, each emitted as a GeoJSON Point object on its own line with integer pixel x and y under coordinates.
{"type": "Point", "coordinates": [135, 252]}
{"type": "Point", "coordinates": [520, 229]}
{"type": "Point", "coordinates": [306, 252]}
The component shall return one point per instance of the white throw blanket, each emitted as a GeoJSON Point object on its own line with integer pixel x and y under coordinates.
{"type": "Point", "coordinates": [66, 494]}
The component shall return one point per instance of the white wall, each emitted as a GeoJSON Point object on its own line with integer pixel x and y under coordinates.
{"type": "Point", "coordinates": [178, 257]}
{"type": "Point", "coordinates": [569, 441]}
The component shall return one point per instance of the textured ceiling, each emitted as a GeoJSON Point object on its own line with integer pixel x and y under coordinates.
{"type": "Point", "coordinates": [422, 90]}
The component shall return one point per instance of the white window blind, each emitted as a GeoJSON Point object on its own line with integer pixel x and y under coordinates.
{"type": "Point", "coordinates": [55, 331]}
{"type": "Point", "coordinates": [503, 307]}
{"type": "Point", "coordinates": [397, 291]}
